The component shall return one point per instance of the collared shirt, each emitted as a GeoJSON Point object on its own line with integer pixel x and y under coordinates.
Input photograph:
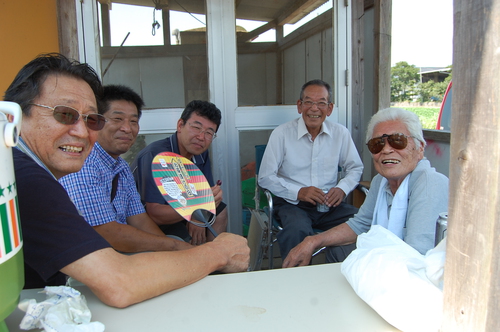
{"type": "Point", "coordinates": [141, 168]}
{"type": "Point", "coordinates": [90, 189]}
{"type": "Point", "coordinates": [427, 198]}
{"type": "Point", "coordinates": [54, 234]}
{"type": "Point", "coordinates": [293, 160]}
{"type": "Point", "coordinates": [22, 146]}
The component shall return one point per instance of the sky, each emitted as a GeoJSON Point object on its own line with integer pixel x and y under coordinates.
{"type": "Point", "coordinates": [138, 21]}
{"type": "Point", "coordinates": [422, 32]}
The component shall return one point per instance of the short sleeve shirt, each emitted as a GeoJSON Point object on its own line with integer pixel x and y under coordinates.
{"type": "Point", "coordinates": [90, 189]}
{"type": "Point", "coordinates": [54, 233]}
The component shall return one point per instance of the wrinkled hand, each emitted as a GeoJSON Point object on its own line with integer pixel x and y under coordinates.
{"type": "Point", "coordinates": [235, 249]}
{"type": "Point", "coordinates": [300, 255]}
{"type": "Point", "coordinates": [217, 191]}
{"type": "Point", "coordinates": [312, 195]}
{"type": "Point", "coordinates": [198, 234]}
{"type": "Point", "coordinates": [335, 196]}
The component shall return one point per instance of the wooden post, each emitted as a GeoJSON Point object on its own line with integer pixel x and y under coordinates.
{"type": "Point", "coordinates": [67, 28]}
{"type": "Point", "coordinates": [472, 271]}
{"type": "Point", "coordinates": [382, 65]}
{"type": "Point", "coordinates": [358, 71]}
{"type": "Point", "coordinates": [106, 25]}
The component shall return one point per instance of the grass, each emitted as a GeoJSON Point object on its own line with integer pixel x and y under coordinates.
{"type": "Point", "coordinates": [428, 115]}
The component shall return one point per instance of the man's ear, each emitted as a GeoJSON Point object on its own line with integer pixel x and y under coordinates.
{"type": "Point", "coordinates": [180, 124]}
{"type": "Point", "coordinates": [330, 109]}
{"type": "Point", "coordinates": [299, 104]}
{"type": "Point", "coordinates": [421, 149]}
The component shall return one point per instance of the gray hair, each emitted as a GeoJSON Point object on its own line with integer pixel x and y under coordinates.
{"type": "Point", "coordinates": [409, 119]}
{"type": "Point", "coordinates": [320, 83]}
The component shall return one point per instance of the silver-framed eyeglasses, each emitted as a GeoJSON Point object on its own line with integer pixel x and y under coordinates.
{"type": "Point", "coordinates": [69, 116]}
{"type": "Point", "coordinates": [197, 129]}
{"type": "Point", "coordinates": [319, 104]}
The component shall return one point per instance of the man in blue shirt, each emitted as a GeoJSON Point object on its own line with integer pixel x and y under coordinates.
{"type": "Point", "coordinates": [104, 189]}
{"type": "Point", "coordinates": [196, 129]}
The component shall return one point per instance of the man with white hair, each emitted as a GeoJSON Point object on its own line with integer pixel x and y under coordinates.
{"type": "Point", "coordinates": [406, 196]}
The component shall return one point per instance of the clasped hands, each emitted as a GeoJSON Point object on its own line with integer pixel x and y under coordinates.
{"type": "Point", "coordinates": [315, 196]}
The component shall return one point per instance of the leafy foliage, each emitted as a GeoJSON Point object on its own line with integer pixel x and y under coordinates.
{"type": "Point", "coordinates": [433, 91]}
{"type": "Point", "coordinates": [404, 79]}
{"type": "Point", "coordinates": [406, 86]}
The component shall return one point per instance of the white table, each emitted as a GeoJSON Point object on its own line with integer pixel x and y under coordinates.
{"type": "Point", "coordinates": [312, 298]}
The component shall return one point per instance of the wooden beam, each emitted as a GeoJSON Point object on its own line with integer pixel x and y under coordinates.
{"type": "Point", "coordinates": [67, 28]}
{"type": "Point", "coordinates": [279, 66]}
{"type": "Point", "coordinates": [472, 270]}
{"type": "Point", "coordinates": [369, 4]}
{"type": "Point", "coordinates": [296, 10]}
{"type": "Point", "coordinates": [165, 14]}
{"type": "Point", "coordinates": [237, 4]}
{"type": "Point", "coordinates": [246, 36]}
{"type": "Point", "coordinates": [437, 135]}
{"type": "Point", "coordinates": [320, 23]}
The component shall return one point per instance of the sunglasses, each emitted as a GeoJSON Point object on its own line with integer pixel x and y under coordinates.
{"type": "Point", "coordinates": [398, 141]}
{"type": "Point", "coordinates": [69, 116]}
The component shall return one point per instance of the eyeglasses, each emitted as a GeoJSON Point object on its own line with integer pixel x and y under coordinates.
{"type": "Point", "coordinates": [69, 116]}
{"type": "Point", "coordinates": [208, 134]}
{"type": "Point", "coordinates": [320, 104]}
{"type": "Point", "coordinates": [398, 141]}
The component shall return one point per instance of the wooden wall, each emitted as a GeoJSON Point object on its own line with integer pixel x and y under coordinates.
{"type": "Point", "coordinates": [27, 28]}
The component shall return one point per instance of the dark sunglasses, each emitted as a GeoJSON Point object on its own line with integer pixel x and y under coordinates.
{"type": "Point", "coordinates": [398, 141]}
{"type": "Point", "coordinates": [68, 115]}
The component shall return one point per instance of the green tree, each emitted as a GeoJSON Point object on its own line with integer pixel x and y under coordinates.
{"type": "Point", "coordinates": [433, 91]}
{"type": "Point", "coordinates": [404, 80]}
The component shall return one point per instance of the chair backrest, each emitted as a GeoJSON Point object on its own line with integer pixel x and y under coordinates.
{"type": "Point", "coordinates": [259, 153]}
{"type": "Point", "coordinates": [257, 234]}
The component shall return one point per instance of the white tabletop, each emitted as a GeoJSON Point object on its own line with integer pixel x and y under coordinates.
{"type": "Point", "coordinates": [312, 298]}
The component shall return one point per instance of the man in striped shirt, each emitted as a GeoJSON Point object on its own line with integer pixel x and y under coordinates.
{"type": "Point", "coordinates": [104, 189]}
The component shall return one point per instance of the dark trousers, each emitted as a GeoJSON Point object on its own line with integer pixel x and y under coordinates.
{"type": "Point", "coordinates": [301, 220]}
{"type": "Point", "coordinates": [338, 254]}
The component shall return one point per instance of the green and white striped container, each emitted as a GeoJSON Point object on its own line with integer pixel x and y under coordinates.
{"type": "Point", "coordinates": [11, 240]}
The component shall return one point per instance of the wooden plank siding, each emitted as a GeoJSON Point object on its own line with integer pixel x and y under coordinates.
{"type": "Point", "coordinates": [472, 283]}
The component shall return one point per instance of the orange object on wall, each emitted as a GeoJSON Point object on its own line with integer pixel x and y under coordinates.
{"type": "Point", "coordinates": [27, 28]}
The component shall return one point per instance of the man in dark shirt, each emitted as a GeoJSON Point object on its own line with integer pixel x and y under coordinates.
{"type": "Point", "coordinates": [196, 130]}
{"type": "Point", "coordinates": [55, 94]}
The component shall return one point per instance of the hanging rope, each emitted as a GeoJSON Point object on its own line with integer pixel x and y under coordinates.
{"type": "Point", "coordinates": [155, 24]}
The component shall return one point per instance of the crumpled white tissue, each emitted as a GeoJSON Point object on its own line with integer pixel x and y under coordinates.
{"type": "Point", "coordinates": [400, 284]}
{"type": "Point", "coordinates": [64, 310]}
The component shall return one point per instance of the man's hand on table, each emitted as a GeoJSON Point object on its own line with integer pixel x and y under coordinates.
{"type": "Point", "coordinates": [236, 251]}
{"type": "Point", "coordinates": [300, 255]}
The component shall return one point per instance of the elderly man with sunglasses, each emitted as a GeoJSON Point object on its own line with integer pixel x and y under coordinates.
{"type": "Point", "coordinates": [406, 196]}
{"type": "Point", "coordinates": [196, 129]}
{"type": "Point", "coordinates": [300, 167]}
{"type": "Point", "coordinates": [57, 241]}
